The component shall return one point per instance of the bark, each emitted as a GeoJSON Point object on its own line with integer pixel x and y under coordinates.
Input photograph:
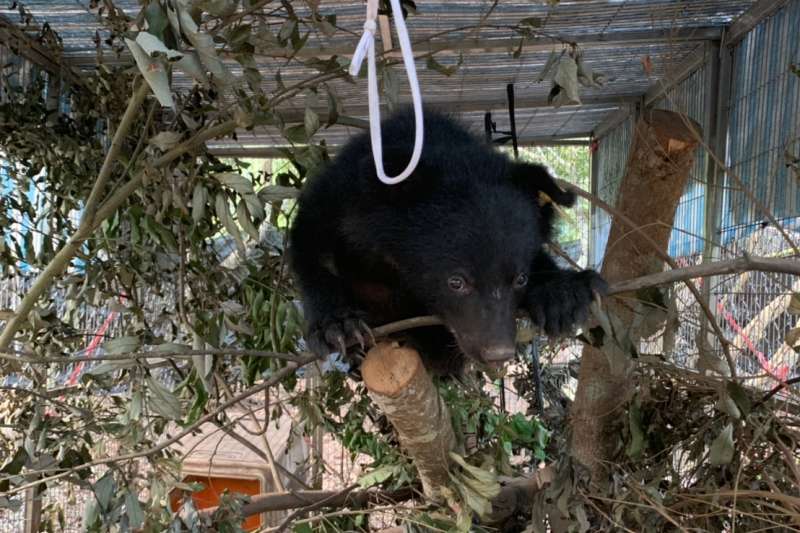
{"type": "Point", "coordinates": [515, 496]}
{"type": "Point", "coordinates": [401, 387]}
{"type": "Point", "coordinates": [660, 162]}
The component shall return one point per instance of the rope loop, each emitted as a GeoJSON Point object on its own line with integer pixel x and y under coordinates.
{"type": "Point", "coordinates": [366, 48]}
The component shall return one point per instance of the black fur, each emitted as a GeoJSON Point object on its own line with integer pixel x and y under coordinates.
{"type": "Point", "coordinates": [365, 253]}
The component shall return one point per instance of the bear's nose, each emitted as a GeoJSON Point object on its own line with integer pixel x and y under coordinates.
{"type": "Point", "coordinates": [498, 353]}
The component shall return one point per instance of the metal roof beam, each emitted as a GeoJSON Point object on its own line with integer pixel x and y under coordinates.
{"type": "Point", "coordinates": [275, 152]}
{"type": "Point", "coordinates": [751, 18]}
{"type": "Point", "coordinates": [672, 35]}
{"type": "Point", "coordinates": [28, 48]}
{"type": "Point", "coordinates": [466, 106]}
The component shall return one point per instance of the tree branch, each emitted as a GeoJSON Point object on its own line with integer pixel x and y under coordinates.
{"type": "Point", "coordinates": [724, 343]}
{"type": "Point", "coordinates": [732, 266]}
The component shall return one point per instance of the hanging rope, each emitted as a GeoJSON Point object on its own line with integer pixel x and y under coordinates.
{"type": "Point", "coordinates": [366, 48]}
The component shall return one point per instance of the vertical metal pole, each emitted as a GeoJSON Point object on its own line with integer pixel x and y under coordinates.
{"type": "Point", "coordinates": [719, 60]}
{"type": "Point", "coordinates": [487, 127]}
{"type": "Point", "coordinates": [512, 118]}
{"type": "Point", "coordinates": [33, 510]}
{"type": "Point", "coordinates": [593, 180]}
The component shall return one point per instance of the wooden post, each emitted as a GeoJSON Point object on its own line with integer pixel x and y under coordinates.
{"type": "Point", "coordinates": [660, 161]}
{"type": "Point", "coordinates": [33, 510]}
{"type": "Point", "coordinates": [399, 384]}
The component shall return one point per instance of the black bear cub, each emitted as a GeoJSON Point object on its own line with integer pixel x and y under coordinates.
{"type": "Point", "coordinates": [461, 238]}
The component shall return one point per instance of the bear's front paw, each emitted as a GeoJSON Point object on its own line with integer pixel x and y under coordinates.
{"type": "Point", "coordinates": [336, 332]}
{"type": "Point", "coordinates": [558, 305]}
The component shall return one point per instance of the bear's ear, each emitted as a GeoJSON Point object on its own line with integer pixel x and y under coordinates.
{"type": "Point", "coordinates": [534, 179]}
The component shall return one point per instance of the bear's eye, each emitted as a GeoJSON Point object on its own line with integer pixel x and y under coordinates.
{"type": "Point", "coordinates": [457, 283]}
{"type": "Point", "coordinates": [521, 281]}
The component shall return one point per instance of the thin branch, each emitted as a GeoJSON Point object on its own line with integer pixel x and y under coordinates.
{"type": "Point", "coordinates": [322, 503]}
{"type": "Point", "coordinates": [262, 430]}
{"type": "Point", "coordinates": [775, 390]}
{"type": "Point", "coordinates": [618, 215]}
{"type": "Point", "coordinates": [740, 264]}
{"type": "Point", "coordinates": [136, 356]}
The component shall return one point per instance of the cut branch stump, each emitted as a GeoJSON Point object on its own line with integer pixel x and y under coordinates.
{"type": "Point", "coordinates": [659, 165]}
{"type": "Point", "coordinates": [399, 384]}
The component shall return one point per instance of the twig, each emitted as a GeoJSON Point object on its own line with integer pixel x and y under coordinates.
{"type": "Point", "coordinates": [262, 431]}
{"type": "Point", "coordinates": [288, 520]}
{"type": "Point", "coordinates": [732, 266]}
{"type": "Point", "coordinates": [135, 356]}
{"type": "Point", "coordinates": [775, 390]}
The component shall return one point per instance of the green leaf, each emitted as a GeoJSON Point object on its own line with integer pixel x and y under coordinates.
{"type": "Point", "coordinates": [204, 44]}
{"type": "Point", "coordinates": [377, 476]}
{"type": "Point", "coordinates": [566, 79]}
{"type": "Point", "coordinates": [728, 406]}
{"type": "Point", "coordinates": [739, 395]}
{"type": "Point", "coordinates": [163, 401]}
{"type": "Point", "coordinates": [311, 122]}
{"type": "Point", "coordinates": [243, 216]}
{"type": "Point", "coordinates": [792, 338]}
{"type": "Point", "coordinates": [636, 444]}
{"type": "Point", "coordinates": [721, 451]}
{"type": "Point", "coordinates": [235, 181]}
{"type": "Point", "coordinates": [91, 514]}
{"type": "Point", "coordinates": [154, 72]}
{"type": "Point", "coordinates": [108, 367]}
{"type": "Point", "coordinates": [157, 21]}
{"type": "Point", "coordinates": [548, 66]}
{"type": "Point", "coordinates": [333, 106]}
{"type": "Point", "coordinates": [190, 64]}
{"type": "Point", "coordinates": [287, 29]}
{"type": "Point", "coordinates": [134, 510]}
{"type": "Point", "coordinates": [104, 490]}
{"type": "Point", "coordinates": [482, 481]}
{"type": "Point", "coordinates": [165, 140]}
{"type": "Point", "coordinates": [135, 407]}
{"type": "Point", "coordinates": [221, 207]}
{"type": "Point", "coordinates": [199, 202]}
{"type": "Point", "coordinates": [794, 304]}
{"type": "Point", "coordinates": [296, 134]}
{"type": "Point", "coordinates": [153, 46]}
{"type": "Point", "coordinates": [125, 344]}
{"type": "Point", "coordinates": [533, 22]}
{"type": "Point", "coordinates": [442, 69]}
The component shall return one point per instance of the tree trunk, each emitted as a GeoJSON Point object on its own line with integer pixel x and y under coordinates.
{"type": "Point", "coordinates": [660, 162]}
{"type": "Point", "coordinates": [401, 387]}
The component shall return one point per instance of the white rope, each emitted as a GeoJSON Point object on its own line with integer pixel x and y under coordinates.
{"type": "Point", "coordinates": [366, 47]}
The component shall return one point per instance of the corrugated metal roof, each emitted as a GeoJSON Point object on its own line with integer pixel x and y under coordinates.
{"type": "Point", "coordinates": [615, 34]}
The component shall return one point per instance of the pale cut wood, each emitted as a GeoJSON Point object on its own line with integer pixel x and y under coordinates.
{"type": "Point", "coordinates": [399, 384]}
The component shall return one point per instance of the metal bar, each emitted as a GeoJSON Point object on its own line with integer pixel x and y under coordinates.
{"type": "Point", "coordinates": [593, 181]}
{"type": "Point", "coordinates": [277, 152]}
{"type": "Point", "coordinates": [512, 119]}
{"type": "Point", "coordinates": [28, 48]}
{"type": "Point", "coordinates": [486, 45]}
{"type": "Point", "coordinates": [751, 18]}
